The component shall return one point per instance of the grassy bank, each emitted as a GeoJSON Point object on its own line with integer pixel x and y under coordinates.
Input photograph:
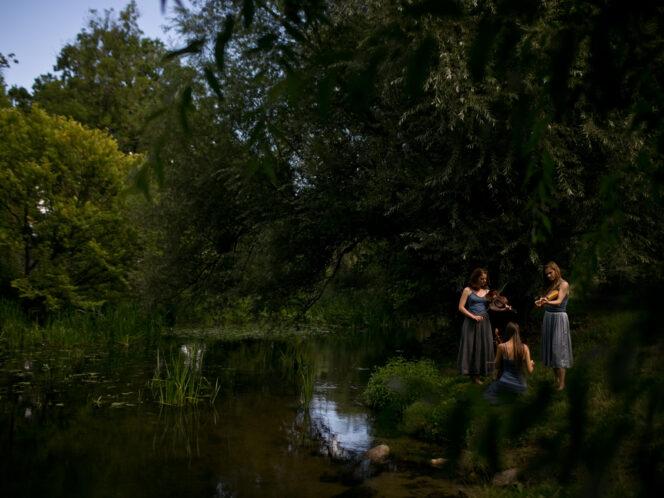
{"type": "Point", "coordinates": [601, 436]}
{"type": "Point", "coordinates": [122, 324]}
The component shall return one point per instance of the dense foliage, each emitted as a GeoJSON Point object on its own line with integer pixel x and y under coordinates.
{"type": "Point", "coordinates": [425, 138]}
{"type": "Point", "coordinates": [64, 238]}
{"type": "Point", "coordinates": [316, 148]}
{"type": "Point", "coordinates": [303, 153]}
{"type": "Point", "coordinates": [111, 78]}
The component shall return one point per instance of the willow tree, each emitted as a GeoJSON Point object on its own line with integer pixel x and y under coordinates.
{"type": "Point", "coordinates": [64, 236]}
{"type": "Point", "coordinates": [432, 137]}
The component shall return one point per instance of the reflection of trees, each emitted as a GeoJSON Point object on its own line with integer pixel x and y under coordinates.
{"type": "Point", "coordinates": [323, 428]}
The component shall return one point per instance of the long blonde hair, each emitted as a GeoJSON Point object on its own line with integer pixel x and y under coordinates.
{"type": "Point", "coordinates": [547, 285]}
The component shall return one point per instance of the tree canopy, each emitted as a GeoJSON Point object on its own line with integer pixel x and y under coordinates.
{"type": "Point", "coordinates": [449, 134]}
{"type": "Point", "coordinates": [392, 146]}
{"type": "Point", "coordinates": [112, 77]}
{"type": "Point", "coordinates": [64, 238]}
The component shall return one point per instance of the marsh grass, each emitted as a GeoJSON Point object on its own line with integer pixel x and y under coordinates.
{"type": "Point", "coordinates": [178, 380]}
{"type": "Point", "coordinates": [307, 380]}
{"type": "Point", "coordinates": [121, 323]}
{"type": "Point", "coordinates": [15, 328]}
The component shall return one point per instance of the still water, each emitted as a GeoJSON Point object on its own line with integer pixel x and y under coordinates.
{"type": "Point", "coordinates": [77, 423]}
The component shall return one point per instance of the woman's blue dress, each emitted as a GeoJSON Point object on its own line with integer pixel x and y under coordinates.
{"type": "Point", "coordinates": [511, 381]}
{"type": "Point", "coordinates": [556, 338]}
{"type": "Point", "coordinates": [476, 345]}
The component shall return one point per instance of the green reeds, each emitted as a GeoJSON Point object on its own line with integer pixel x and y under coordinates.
{"type": "Point", "coordinates": [15, 328]}
{"type": "Point", "coordinates": [119, 323]}
{"type": "Point", "coordinates": [178, 380]}
{"type": "Point", "coordinates": [307, 376]}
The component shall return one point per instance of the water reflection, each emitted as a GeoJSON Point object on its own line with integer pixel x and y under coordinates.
{"type": "Point", "coordinates": [83, 427]}
{"type": "Point", "coordinates": [345, 434]}
{"type": "Point", "coordinates": [178, 430]}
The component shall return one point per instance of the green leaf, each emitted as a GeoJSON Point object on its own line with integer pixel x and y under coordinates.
{"type": "Point", "coordinates": [211, 78]}
{"type": "Point", "coordinates": [222, 40]}
{"type": "Point", "coordinates": [324, 96]}
{"type": "Point", "coordinates": [482, 47]}
{"type": "Point", "coordinates": [438, 8]}
{"type": "Point", "coordinates": [294, 32]}
{"type": "Point", "coordinates": [269, 165]}
{"type": "Point", "coordinates": [194, 47]}
{"type": "Point", "coordinates": [184, 107]}
{"type": "Point", "coordinates": [419, 66]}
{"type": "Point", "coordinates": [266, 42]}
{"type": "Point", "coordinates": [248, 11]}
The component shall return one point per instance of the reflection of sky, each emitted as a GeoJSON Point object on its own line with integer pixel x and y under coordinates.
{"type": "Point", "coordinates": [351, 431]}
{"type": "Point", "coordinates": [194, 355]}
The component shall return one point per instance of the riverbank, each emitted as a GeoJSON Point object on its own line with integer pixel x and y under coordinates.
{"type": "Point", "coordinates": [123, 324]}
{"type": "Point", "coordinates": [600, 436]}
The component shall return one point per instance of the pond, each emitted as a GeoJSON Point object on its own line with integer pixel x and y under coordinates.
{"type": "Point", "coordinates": [288, 420]}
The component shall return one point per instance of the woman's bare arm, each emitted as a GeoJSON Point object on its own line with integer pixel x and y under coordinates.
{"type": "Point", "coordinates": [526, 356]}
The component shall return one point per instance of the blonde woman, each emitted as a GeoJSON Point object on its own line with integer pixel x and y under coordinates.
{"type": "Point", "coordinates": [476, 345]}
{"type": "Point", "coordinates": [556, 339]}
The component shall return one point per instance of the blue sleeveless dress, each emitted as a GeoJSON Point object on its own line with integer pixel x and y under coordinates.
{"type": "Point", "coordinates": [556, 350]}
{"type": "Point", "coordinates": [476, 344]}
{"type": "Point", "coordinates": [511, 381]}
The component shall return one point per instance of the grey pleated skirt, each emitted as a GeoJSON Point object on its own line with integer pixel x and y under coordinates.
{"type": "Point", "coordinates": [476, 347]}
{"type": "Point", "coordinates": [556, 340]}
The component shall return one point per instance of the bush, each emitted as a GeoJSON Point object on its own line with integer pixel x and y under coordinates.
{"type": "Point", "coordinates": [401, 382]}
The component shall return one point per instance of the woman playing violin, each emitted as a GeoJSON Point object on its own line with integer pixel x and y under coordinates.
{"type": "Point", "coordinates": [556, 339]}
{"type": "Point", "coordinates": [476, 346]}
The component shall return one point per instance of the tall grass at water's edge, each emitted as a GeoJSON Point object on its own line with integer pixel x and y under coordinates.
{"type": "Point", "coordinates": [120, 323]}
{"type": "Point", "coordinates": [178, 381]}
{"type": "Point", "coordinates": [307, 383]}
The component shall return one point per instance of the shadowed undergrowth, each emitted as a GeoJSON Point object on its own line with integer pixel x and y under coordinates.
{"type": "Point", "coordinates": [601, 436]}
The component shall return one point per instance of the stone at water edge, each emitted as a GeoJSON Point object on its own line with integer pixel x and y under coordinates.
{"type": "Point", "coordinates": [378, 453]}
{"type": "Point", "coordinates": [505, 477]}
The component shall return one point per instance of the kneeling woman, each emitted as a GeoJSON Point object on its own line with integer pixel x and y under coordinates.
{"type": "Point", "coordinates": [512, 361]}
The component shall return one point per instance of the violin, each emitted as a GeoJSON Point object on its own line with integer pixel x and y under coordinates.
{"type": "Point", "coordinates": [551, 295]}
{"type": "Point", "coordinates": [496, 336]}
{"type": "Point", "coordinates": [496, 299]}
{"type": "Point", "coordinates": [498, 302]}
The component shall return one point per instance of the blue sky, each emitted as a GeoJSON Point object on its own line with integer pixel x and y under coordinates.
{"type": "Point", "coordinates": [36, 30]}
